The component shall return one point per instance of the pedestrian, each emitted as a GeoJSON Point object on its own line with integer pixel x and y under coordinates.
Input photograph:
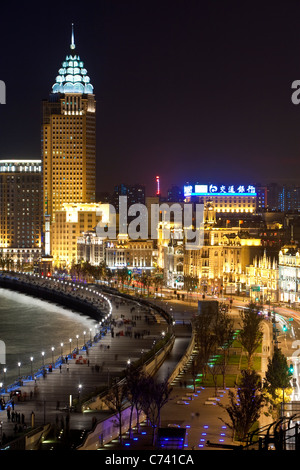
{"type": "Point", "coordinates": [8, 413]}
{"type": "Point", "coordinates": [60, 368]}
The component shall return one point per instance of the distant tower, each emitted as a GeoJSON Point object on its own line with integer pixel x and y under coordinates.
{"type": "Point", "coordinates": [69, 137]}
{"type": "Point", "coordinates": [157, 186]}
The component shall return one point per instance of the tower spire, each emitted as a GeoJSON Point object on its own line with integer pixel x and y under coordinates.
{"type": "Point", "coordinates": [72, 45]}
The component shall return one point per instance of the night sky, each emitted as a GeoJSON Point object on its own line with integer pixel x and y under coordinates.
{"type": "Point", "coordinates": [189, 90]}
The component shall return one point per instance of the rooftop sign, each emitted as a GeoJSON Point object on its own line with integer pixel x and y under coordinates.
{"type": "Point", "coordinates": [222, 190]}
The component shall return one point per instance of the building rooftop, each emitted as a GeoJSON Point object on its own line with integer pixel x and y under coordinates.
{"type": "Point", "coordinates": [72, 76]}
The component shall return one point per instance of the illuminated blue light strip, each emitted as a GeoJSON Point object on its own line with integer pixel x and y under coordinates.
{"type": "Point", "coordinates": [221, 194]}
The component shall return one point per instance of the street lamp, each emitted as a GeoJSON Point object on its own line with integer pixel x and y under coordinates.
{"type": "Point", "coordinates": [61, 349]}
{"type": "Point", "coordinates": [77, 336]}
{"type": "Point", "coordinates": [43, 356]}
{"type": "Point", "coordinates": [70, 340]}
{"type": "Point", "coordinates": [52, 349]}
{"type": "Point", "coordinates": [31, 360]}
{"type": "Point", "coordinates": [84, 333]}
{"type": "Point", "coordinates": [4, 371]}
{"type": "Point", "coordinates": [19, 365]}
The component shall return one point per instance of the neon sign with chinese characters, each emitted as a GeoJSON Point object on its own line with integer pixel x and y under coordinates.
{"type": "Point", "coordinates": [222, 190]}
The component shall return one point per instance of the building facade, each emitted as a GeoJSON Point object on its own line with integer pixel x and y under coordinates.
{"type": "Point", "coordinates": [262, 279]}
{"type": "Point", "coordinates": [136, 255]}
{"type": "Point", "coordinates": [68, 225]}
{"type": "Point", "coordinates": [226, 199]}
{"type": "Point", "coordinates": [220, 264]}
{"type": "Point", "coordinates": [91, 248]}
{"type": "Point", "coordinates": [21, 215]}
{"type": "Point", "coordinates": [289, 274]}
{"type": "Point", "coordinates": [122, 252]}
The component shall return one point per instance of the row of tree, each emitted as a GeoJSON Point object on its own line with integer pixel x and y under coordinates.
{"type": "Point", "coordinates": [142, 393]}
{"type": "Point", "coordinates": [215, 332]}
{"type": "Point", "coordinates": [123, 277]}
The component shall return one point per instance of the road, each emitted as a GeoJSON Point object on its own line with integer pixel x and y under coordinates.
{"type": "Point", "coordinates": [287, 326]}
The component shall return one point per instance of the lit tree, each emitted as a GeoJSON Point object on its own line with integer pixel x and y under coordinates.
{"type": "Point", "coordinates": [146, 281]}
{"type": "Point", "coordinates": [205, 338]}
{"type": "Point", "coordinates": [158, 281]}
{"type": "Point", "coordinates": [224, 332]}
{"type": "Point", "coordinates": [155, 395]}
{"type": "Point", "coordinates": [277, 379]}
{"type": "Point", "coordinates": [116, 400]}
{"type": "Point", "coordinates": [245, 404]}
{"type": "Point", "coordinates": [251, 334]}
{"type": "Point", "coordinates": [135, 379]}
{"type": "Point", "coordinates": [123, 275]}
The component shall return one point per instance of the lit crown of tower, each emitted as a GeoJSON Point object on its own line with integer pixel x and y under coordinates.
{"type": "Point", "coordinates": [72, 76]}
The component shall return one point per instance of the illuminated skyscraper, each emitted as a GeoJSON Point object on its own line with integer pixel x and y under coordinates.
{"type": "Point", "coordinates": [69, 137]}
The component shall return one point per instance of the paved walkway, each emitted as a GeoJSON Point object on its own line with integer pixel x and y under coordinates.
{"type": "Point", "coordinates": [197, 411]}
{"type": "Point", "coordinates": [48, 396]}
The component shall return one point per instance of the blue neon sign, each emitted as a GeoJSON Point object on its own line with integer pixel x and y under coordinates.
{"type": "Point", "coordinates": [222, 190]}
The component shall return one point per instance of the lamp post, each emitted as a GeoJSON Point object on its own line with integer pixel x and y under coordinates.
{"type": "Point", "coordinates": [79, 390]}
{"type": "Point", "coordinates": [52, 349]}
{"type": "Point", "coordinates": [31, 361]}
{"type": "Point", "coordinates": [61, 349]}
{"type": "Point", "coordinates": [142, 352]}
{"type": "Point", "coordinates": [43, 356]}
{"type": "Point", "coordinates": [19, 365]}
{"type": "Point", "coordinates": [4, 372]}
{"type": "Point", "coordinates": [70, 340]}
{"type": "Point", "coordinates": [77, 336]}
{"type": "Point", "coordinates": [84, 333]}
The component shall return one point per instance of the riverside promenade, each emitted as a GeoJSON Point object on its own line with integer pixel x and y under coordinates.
{"type": "Point", "coordinates": [135, 328]}
{"type": "Point", "coordinates": [48, 397]}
